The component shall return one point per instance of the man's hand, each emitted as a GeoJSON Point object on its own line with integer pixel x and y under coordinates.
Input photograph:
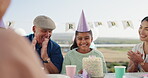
{"type": "Point", "coordinates": [44, 54]}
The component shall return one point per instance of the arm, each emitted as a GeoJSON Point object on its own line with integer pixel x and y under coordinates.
{"type": "Point", "coordinates": [132, 67]}
{"type": "Point", "coordinates": [103, 62]}
{"type": "Point", "coordinates": [145, 67]}
{"type": "Point", "coordinates": [50, 67]}
{"type": "Point", "coordinates": [135, 59]}
{"type": "Point", "coordinates": [104, 66]}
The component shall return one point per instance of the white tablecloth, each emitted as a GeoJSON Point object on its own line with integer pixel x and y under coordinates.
{"type": "Point", "coordinates": [127, 75]}
{"type": "Point", "coordinates": [107, 75]}
{"type": "Point", "coordinates": [57, 76]}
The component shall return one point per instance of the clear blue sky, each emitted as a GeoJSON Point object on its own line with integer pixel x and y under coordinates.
{"type": "Point", "coordinates": [62, 11]}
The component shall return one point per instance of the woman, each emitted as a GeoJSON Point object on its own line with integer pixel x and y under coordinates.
{"type": "Point", "coordinates": [139, 54]}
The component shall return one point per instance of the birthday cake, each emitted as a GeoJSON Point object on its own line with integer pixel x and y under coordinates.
{"type": "Point", "coordinates": [93, 65]}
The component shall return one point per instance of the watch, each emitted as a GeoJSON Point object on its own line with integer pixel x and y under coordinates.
{"type": "Point", "coordinates": [46, 61]}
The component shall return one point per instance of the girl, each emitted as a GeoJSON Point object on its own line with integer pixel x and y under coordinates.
{"type": "Point", "coordinates": [81, 48]}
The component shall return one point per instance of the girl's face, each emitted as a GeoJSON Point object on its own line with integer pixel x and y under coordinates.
{"type": "Point", "coordinates": [83, 41]}
{"type": "Point", "coordinates": [143, 31]}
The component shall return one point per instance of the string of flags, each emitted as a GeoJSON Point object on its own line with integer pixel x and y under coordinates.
{"type": "Point", "coordinates": [125, 23]}
{"type": "Point", "coordinates": [72, 25]}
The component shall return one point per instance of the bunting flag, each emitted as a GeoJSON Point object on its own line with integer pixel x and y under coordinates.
{"type": "Point", "coordinates": [90, 24]}
{"type": "Point", "coordinates": [10, 24]}
{"type": "Point", "coordinates": [98, 24]}
{"type": "Point", "coordinates": [70, 26]}
{"type": "Point", "coordinates": [112, 24]}
{"type": "Point", "coordinates": [127, 23]}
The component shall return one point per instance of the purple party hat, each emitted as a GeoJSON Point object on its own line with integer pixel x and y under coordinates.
{"type": "Point", "coordinates": [82, 26]}
{"type": "Point", "coordinates": [2, 24]}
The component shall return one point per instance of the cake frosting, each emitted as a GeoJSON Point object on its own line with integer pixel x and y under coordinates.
{"type": "Point", "coordinates": [93, 65]}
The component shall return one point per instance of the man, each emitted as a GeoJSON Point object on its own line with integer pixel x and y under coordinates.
{"type": "Point", "coordinates": [48, 50]}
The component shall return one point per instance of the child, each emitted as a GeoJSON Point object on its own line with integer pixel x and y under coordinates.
{"type": "Point", "coordinates": [81, 48]}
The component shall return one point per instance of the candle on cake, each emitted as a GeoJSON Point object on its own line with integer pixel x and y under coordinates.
{"type": "Point", "coordinates": [93, 65]}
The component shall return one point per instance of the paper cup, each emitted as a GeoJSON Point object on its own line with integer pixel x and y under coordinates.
{"type": "Point", "coordinates": [119, 71]}
{"type": "Point", "coordinates": [70, 70]}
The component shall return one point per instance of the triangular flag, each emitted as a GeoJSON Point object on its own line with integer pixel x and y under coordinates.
{"type": "Point", "coordinates": [70, 26]}
{"type": "Point", "coordinates": [127, 23]}
{"type": "Point", "coordinates": [10, 24]}
{"type": "Point", "coordinates": [98, 24]}
{"type": "Point", "coordinates": [112, 24]}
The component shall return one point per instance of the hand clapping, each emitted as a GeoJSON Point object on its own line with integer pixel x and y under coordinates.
{"type": "Point", "coordinates": [136, 57]}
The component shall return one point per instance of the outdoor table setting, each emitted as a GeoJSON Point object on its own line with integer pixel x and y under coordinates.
{"type": "Point", "coordinates": [107, 75]}
{"type": "Point", "coordinates": [93, 68]}
{"type": "Point", "coordinates": [128, 75]}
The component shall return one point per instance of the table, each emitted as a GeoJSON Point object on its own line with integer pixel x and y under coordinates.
{"type": "Point", "coordinates": [127, 75]}
{"type": "Point", "coordinates": [107, 75]}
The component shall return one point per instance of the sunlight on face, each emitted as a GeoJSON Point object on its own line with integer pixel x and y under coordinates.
{"type": "Point", "coordinates": [41, 34]}
{"type": "Point", "coordinates": [83, 41]}
{"type": "Point", "coordinates": [143, 31]}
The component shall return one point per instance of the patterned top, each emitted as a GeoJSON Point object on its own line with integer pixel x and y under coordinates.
{"type": "Point", "coordinates": [139, 47]}
{"type": "Point", "coordinates": [75, 58]}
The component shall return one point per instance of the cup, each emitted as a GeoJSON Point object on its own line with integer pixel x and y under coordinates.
{"type": "Point", "coordinates": [119, 71]}
{"type": "Point", "coordinates": [70, 70]}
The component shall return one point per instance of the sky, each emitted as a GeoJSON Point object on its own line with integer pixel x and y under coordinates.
{"type": "Point", "coordinates": [23, 12]}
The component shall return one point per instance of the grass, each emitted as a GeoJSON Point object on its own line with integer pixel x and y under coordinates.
{"type": "Point", "coordinates": [120, 49]}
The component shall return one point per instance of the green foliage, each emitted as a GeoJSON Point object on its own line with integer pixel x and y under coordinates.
{"type": "Point", "coordinates": [121, 49]}
{"type": "Point", "coordinates": [116, 41]}
{"type": "Point", "coordinates": [110, 65]}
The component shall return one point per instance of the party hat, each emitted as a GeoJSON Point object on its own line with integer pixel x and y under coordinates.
{"type": "Point", "coordinates": [2, 24]}
{"type": "Point", "coordinates": [82, 26]}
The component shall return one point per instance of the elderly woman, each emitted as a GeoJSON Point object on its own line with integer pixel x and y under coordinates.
{"type": "Point", "coordinates": [139, 54]}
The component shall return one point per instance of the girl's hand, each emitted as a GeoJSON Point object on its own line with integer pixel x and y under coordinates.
{"type": "Point", "coordinates": [81, 71]}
